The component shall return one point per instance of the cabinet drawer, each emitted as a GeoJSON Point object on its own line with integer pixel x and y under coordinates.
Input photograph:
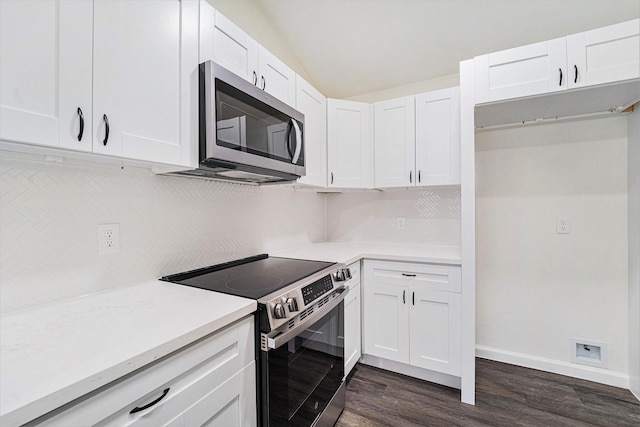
{"type": "Point", "coordinates": [425, 276]}
{"type": "Point", "coordinates": [188, 375]}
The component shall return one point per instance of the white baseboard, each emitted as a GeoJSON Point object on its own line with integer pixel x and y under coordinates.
{"type": "Point", "coordinates": [599, 375]}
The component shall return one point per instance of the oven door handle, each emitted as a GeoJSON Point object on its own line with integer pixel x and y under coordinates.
{"type": "Point", "coordinates": [280, 340]}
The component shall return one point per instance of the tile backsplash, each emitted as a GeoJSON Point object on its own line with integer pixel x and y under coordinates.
{"type": "Point", "coordinates": [49, 216]}
{"type": "Point", "coordinates": [431, 216]}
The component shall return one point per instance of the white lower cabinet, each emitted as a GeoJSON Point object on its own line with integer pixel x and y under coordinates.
{"type": "Point", "coordinates": [211, 382]}
{"type": "Point", "coordinates": [412, 314]}
{"type": "Point", "coordinates": [352, 320]}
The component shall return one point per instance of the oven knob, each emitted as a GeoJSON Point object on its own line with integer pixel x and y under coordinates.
{"type": "Point", "coordinates": [292, 303]}
{"type": "Point", "coordinates": [347, 274]}
{"type": "Point", "coordinates": [279, 312]}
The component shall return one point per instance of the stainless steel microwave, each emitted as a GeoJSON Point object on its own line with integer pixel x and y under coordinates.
{"type": "Point", "coordinates": [245, 133]}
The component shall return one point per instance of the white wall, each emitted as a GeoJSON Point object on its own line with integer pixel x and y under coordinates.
{"type": "Point", "coordinates": [634, 250]}
{"type": "Point", "coordinates": [536, 288]}
{"type": "Point", "coordinates": [411, 89]}
{"type": "Point", "coordinates": [49, 215]}
{"type": "Point", "coordinates": [431, 216]}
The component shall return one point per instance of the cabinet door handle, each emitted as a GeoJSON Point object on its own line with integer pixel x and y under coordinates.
{"type": "Point", "coordinates": [255, 79]}
{"type": "Point", "coordinates": [106, 129]}
{"type": "Point", "coordinates": [332, 177]}
{"type": "Point", "coordinates": [411, 177]}
{"type": "Point", "coordinates": [413, 298]}
{"type": "Point", "coordinates": [149, 405]}
{"type": "Point", "coordinates": [575, 69]}
{"type": "Point", "coordinates": [560, 69]}
{"type": "Point", "coordinates": [404, 300]}
{"type": "Point", "coordinates": [81, 116]}
{"type": "Point", "coordinates": [408, 275]}
{"type": "Point", "coordinates": [419, 178]}
{"type": "Point", "coordinates": [264, 83]}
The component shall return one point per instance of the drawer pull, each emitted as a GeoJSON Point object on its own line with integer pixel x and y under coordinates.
{"type": "Point", "coordinates": [106, 129]}
{"type": "Point", "coordinates": [404, 299]}
{"type": "Point", "coordinates": [81, 116]}
{"type": "Point", "coordinates": [408, 275]}
{"type": "Point", "coordinates": [149, 405]}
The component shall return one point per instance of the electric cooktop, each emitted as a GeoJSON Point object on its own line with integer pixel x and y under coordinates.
{"type": "Point", "coordinates": [253, 277]}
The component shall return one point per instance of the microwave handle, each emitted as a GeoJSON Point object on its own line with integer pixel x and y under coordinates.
{"type": "Point", "coordinates": [296, 154]}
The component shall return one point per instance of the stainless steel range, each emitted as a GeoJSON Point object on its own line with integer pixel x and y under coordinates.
{"type": "Point", "coordinates": [299, 333]}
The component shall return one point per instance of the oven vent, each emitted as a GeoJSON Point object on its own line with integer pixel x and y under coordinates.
{"type": "Point", "coordinates": [292, 323]}
{"type": "Point", "coordinates": [306, 313]}
{"type": "Point", "coordinates": [263, 341]}
{"type": "Point", "coordinates": [323, 301]}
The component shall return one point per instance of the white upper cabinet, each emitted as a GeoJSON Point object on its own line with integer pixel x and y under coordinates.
{"type": "Point", "coordinates": [522, 71]}
{"type": "Point", "coordinates": [232, 48]}
{"type": "Point", "coordinates": [438, 137]}
{"type": "Point", "coordinates": [394, 141]}
{"type": "Point", "coordinates": [45, 72]}
{"type": "Point", "coordinates": [226, 44]}
{"type": "Point", "coordinates": [107, 68]}
{"type": "Point", "coordinates": [349, 144]}
{"type": "Point", "coordinates": [313, 105]}
{"type": "Point", "coordinates": [276, 78]}
{"type": "Point", "coordinates": [144, 79]}
{"type": "Point", "coordinates": [417, 140]}
{"type": "Point", "coordinates": [604, 55]}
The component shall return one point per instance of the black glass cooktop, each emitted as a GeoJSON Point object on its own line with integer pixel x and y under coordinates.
{"type": "Point", "coordinates": [252, 277]}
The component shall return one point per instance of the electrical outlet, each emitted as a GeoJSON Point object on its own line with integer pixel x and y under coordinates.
{"type": "Point", "coordinates": [108, 238]}
{"type": "Point", "coordinates": [400, 223]}
{"type": "Point", "coordinates": [563, 225]}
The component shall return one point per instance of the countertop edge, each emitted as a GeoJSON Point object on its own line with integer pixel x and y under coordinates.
{"type": "Point", "coordinates": [70, 393]}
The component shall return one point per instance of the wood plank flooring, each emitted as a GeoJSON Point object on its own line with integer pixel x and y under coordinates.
{"type": "Point", "coordinates": [506, 395]}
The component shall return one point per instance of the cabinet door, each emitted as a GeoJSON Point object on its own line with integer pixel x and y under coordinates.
{"type": "Point", "coordinates": [230, 404]}
{"type": "Point", "coordinates": [522, 71]}
{"type": "Point", "coordinates": [45, 72]}
{"type": "Point", "coordinates": [435, 330]}
{"type": "Point", "coordinates": [604, 55]}
{"type": "Point", "coordinates": [394, 136]}
{"type": "Point", "coordinates": [349, 143]}
{"type": "Point", "coordinates": [276, 78]}
{"type": "Point", "coordinates": [234, 49]}
{"type": "Point", "coordinates": [313, 105]}
{"type": "Point", "coordinates": [438, 137]}
{"type": "Point", "coordinates": [145, 79]}
{"type": "Point", "coordinates": [352, 329]}
{"type": "Point", "coordinates": [386, 317]}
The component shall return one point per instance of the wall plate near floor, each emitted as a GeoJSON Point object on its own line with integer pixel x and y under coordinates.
{"type": "Point", "coordinates": [588, 352]}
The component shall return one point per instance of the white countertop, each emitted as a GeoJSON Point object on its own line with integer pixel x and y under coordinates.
{"type": "Point", "coordinates": [349, 252]}
{"type": "Point", "coordinates": [52, 355]}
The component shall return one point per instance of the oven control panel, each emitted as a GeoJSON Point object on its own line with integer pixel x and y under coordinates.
{"type": "Point", "coordinates": [316, 289]}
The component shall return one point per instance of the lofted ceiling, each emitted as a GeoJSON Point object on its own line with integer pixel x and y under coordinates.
{"type": "Point", "coordinates": [354, 47]}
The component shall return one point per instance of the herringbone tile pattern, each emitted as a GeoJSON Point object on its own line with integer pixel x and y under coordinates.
{"type": "Point", "coordinates": [49, 215]}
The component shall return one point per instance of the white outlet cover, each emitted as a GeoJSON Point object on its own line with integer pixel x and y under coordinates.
{"type": "Point", "coordinates": [563, 225]}
{"type": "Point", "coordinates": [108, 238]}
{"type": "Point", "coordinates": [401, 223]}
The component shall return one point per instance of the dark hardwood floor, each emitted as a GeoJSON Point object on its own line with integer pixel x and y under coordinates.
{"type": "Point", "coordinates": [506, 395]}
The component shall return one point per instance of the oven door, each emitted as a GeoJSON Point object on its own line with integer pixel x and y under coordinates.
{"type": "Point", "coordinates": [301, 375]}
